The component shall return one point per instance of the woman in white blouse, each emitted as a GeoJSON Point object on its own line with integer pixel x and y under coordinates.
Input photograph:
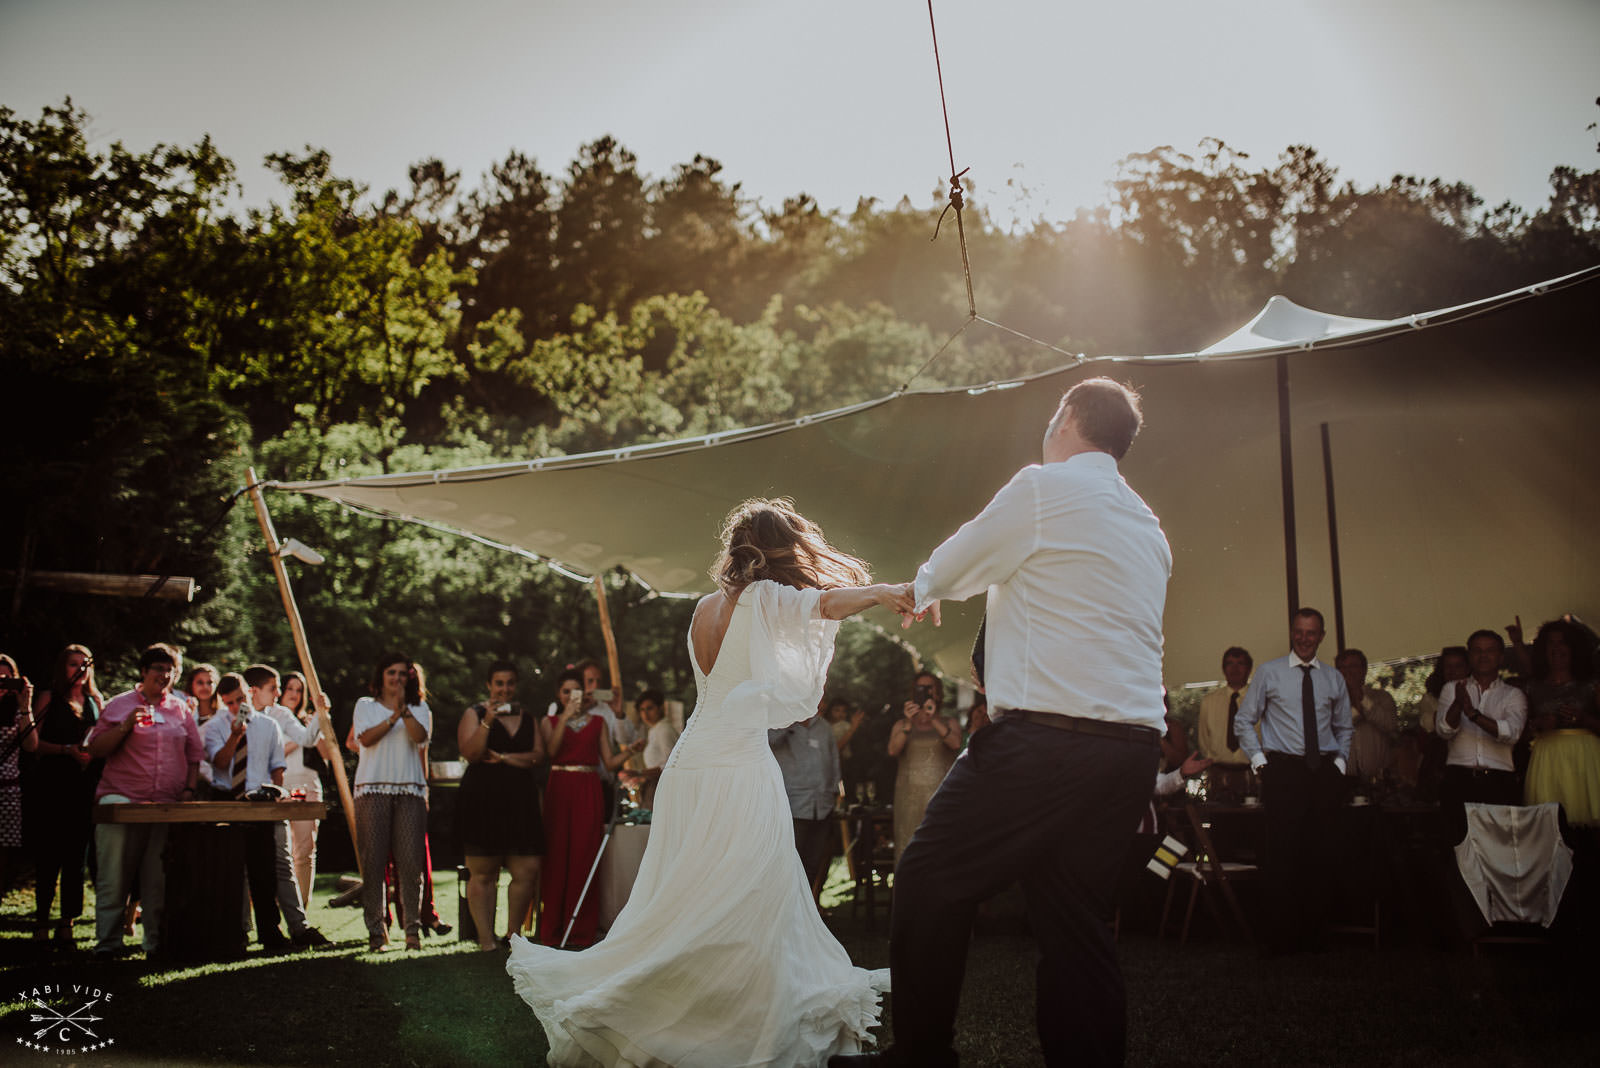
{"type": "Point", "coordinates": [660, 737]}
{"type": "Point", "coordinates": [391, 794]}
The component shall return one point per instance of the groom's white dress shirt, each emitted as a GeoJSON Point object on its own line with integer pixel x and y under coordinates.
{"type": "Point", "coordinates": [1076, 568]}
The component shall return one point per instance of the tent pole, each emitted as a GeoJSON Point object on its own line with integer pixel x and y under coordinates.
{"type": "Point", "coordinates": [605, 630]}
{"type": "Point", "coordinates": [314, 692]}
{"type": "Point", "coordinates": [1333, 541]}
{"type": "Point", "coordinates": [1291, 558]}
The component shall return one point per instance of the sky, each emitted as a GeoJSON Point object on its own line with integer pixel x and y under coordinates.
{"type": "Point", "coordinates": [835, 98]}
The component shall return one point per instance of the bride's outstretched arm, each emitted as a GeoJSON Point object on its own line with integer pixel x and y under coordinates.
{"type": "Point", "coordinates": [848, 600]}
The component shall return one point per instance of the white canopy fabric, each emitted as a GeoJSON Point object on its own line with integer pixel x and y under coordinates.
{"type": "Point", "coordinates": [1465, 451]}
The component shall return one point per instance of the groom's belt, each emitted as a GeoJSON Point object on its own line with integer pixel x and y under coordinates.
{"type": "Point", "coordinates": [1126, 732]}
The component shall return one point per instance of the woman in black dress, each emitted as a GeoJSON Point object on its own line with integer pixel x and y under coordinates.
{"type": "Point", "coordinates": [58, 794]}
{"type": "Point", "coordinates": [497, 810]}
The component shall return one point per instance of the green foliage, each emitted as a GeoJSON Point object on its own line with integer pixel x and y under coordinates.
{"type": "Point", "coordinates": [163, 344]}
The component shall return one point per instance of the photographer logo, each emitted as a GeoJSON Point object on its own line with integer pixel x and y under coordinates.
{"type": "Point", "coordinates": [66, 1019]}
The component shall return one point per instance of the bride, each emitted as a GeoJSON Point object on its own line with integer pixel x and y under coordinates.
{"type": "Point", "coordinates": [719, 957]}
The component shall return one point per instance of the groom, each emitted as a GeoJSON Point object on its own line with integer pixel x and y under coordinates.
{"type": "Point", "coordinates": [1075, 566]}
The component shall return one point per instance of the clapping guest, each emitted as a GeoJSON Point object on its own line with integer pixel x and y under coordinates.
{"type": "Point", "coordinates": [391, 792]}
{"type": "Point", "coordinates": [1377, 723]}
{"type": "Point", "coordinates": [1482, 719]}
{"type": "Point", "coordinates": [924, 744]}
{"type": "Point", "coordinates": [1565, 718]}
{"type": "Point", "coordinates": [59, 790]}
{"type": "Point", "coordinates": [497, 812]}
{"type": "Point", "coordinates": [152, 751]}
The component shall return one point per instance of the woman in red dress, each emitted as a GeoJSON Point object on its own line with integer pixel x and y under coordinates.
{"type": "Point", "coordinates": [574, 813]}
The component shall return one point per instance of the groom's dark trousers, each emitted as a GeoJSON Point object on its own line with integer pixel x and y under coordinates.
{"type": "Point", "coordinates": [1056, 811]}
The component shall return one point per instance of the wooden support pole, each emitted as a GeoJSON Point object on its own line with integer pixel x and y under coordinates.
{"type": "Point", "coordinates": [605, 630]}
{"type": "Point", "coordinates": [314, 692]}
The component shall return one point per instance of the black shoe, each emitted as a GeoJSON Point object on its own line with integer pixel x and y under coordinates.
{"type": "Point", "coordinates": [310, 938]}
{"type": "Point", "coordinates": [274, 942]}
{"type": "Point", "coordinates": [440, 929]}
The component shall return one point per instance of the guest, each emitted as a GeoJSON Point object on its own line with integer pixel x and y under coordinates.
{"type": "Point", "coordinates": [391, 794]}
{"type": "Point", "coordinates": [201, 690]}
{"type": "Point", "coordinates": [246, 751]}
{"type": "Point", "coordinates": [1303, 710]}
{"type": "Point", "coordinates": [16, 729]}
{"type": "Point", "coordinates": [924, 743]}
{"type": "Point", "coordinates": [1170, 782]}
{"type": "Point", "coordinates": [977, 716]}
{"type": "Point", "coordinates": [1451, 666]}
{"type": "Point", "coordinates": [1373, 714]}
{"type": "Point", "coordinates": [1565, 765]}
{"type": "Point", "coordinates": [497, 809]}
{"type": "Point", "coordinates": [59, 789]}
{"type": "Point", "coordinates": [303, 762]}
{"type": "Point", "coordinates": [152, 752]}
{"type": "Point", "coordinates": [579, 745]}
{"type": "Point", "coordinates": [1175, 742]}
{"type": "Point", "coordinates": [1432, 750]}
{"type": "Point", "coordinates": [297, 736]}
{"type": "Point", "coordinates": [609, 709]}
{"type": "Point", "coordinates": [660, 737]}
{"type": "Point", "coordinates": [844, 724]}
{"type": "Point", "coordinates": [809, 760]}
{"type": "Point", "coordinates": [204, 699]}
{"type": "Point", "coordinates": [1484, 715]}
{"type": "Point", "coordinates": [1219, 739]}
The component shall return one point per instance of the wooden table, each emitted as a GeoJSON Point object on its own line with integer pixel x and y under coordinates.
{"type": "Point", "coordinates": [211, 812]}
{"type": "Point", "coordinates": [204, 859]}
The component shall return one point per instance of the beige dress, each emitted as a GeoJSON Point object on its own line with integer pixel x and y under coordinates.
{"type": "Point", "coordinates": [923, 764]}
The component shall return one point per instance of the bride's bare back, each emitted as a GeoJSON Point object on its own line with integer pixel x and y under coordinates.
{"type": "Point", "coordinates": [709, 626]}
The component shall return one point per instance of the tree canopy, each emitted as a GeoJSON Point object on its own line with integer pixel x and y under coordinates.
{"type": "Point", "coordinates": [157, 342]}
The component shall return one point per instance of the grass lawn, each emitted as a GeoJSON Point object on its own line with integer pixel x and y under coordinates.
{"type": "Point", "coordinates": [1212, 1002]}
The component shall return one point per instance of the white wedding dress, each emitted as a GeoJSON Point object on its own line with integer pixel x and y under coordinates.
{"type": "Point", "coordinates": [719, 958]}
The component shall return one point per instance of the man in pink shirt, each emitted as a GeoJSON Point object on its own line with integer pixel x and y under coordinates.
{"type": "Point", "coordinates": [152, 751]}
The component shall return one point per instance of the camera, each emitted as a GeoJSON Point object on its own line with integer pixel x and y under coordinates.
{"type": "Point", "coordinates": [12, 683]}
{"type": "Point", "coordinates": [601, 697]}
{"type": "Point", "coordinates": [923, 694]}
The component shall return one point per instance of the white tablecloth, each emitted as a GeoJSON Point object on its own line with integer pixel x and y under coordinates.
{"type": "Point", "coordinates": [619, 867]}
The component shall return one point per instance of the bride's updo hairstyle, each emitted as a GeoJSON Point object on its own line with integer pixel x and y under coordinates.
{"type": "Point", "coordinates": [768, 539]}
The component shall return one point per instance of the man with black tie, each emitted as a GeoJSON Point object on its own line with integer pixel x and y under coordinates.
{"type": "Point", "coordinates": [1303, 710]}
{"type": "Point", "coordinates": [1219, 740]}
